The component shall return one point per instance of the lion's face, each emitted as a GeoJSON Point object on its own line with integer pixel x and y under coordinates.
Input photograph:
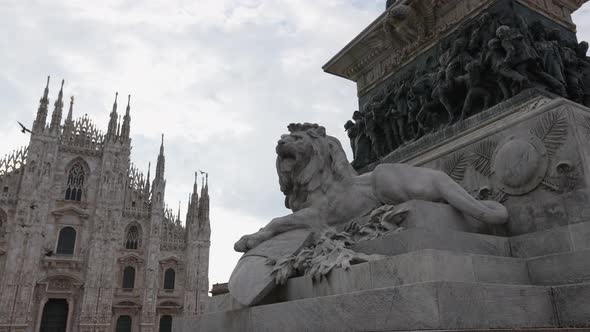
{"type": "Point", "coordinates": [309, 161]}
{"type": "Point", "coordinates": [294, 151]}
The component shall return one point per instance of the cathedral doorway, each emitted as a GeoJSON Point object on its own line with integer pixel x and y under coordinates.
{"type": "Point", "coordinates": [165, 324]}
{"type": "Point", "coordinates": [123, 324]}
{"type": "Point", "coordinates": [55, 316]}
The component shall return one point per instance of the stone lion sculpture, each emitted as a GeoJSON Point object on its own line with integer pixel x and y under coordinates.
{"type": "Point", "coordinates": [322, 190]}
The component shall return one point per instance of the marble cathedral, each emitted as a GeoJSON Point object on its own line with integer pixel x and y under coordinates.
{"type": "Point", "coordinates": [86, 240]}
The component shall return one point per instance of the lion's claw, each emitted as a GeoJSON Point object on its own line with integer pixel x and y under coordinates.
{"type": "Point", "coordinates": [241, 246]}
{"type": "Point", "coordinates": [251, 241]}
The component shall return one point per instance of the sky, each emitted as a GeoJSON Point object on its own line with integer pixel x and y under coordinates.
{"type": "Point", "coordinates": [221, 79]}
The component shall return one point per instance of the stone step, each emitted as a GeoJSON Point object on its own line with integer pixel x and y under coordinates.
{"type": "Point", "coordinates": [546, 329]}
{"type": "Point", "coordinates": [430, 265]}
{"type": "Point", "coordinates": [560, 269]}
{"type": "Point", "coordinates": [572, 304]}
{"type": "Point", "coordinates": [419, 306]}
{"type": "Point", "coordinates": [414, 239]}
{"type": "Point", "coordinates": [414, 267]}
{"type": "Point", "coordinates": [562, 239]}
{"type": "Point", "coordinates": [419, 266]}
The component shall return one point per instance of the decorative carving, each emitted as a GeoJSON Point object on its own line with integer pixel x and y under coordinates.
{"type": "Point", "coordinates": [489, 60]}
{"type": "Point", "coordinates": [552, 131]}
{"type": "Point", "coordinates": [133, 237]}
{"type": "Point", "coordinates": [13, 161]}
{"type": "Point", "coordinates": [482, 157]}
{"type": "Point", "coordinates": [456, 166]}
{"type": "Point", "coordinates": [75, 182]}
{"type": "Point", "coordinates": [83, 134]}
{"type": "Point", "coordinates": [564, 178]}
{"type": "Point", "coordinates": [426, 20]}
{"type": "Point", "coordinates": [519, 164]}
{"type": "Point", "coordinates": [328, 252]}
{"type": "Point", "coordinates": [487, 193]}
{"type": "Point", "coordinates": [173, 236]}
{"type": "Point", "coordinates": [585, 123]}
{"type": "Point", "coordinates": [59, 284]}
{"type": "Point", "coordinates": [403, 26]}
{"type": "Point", "coordinates": [131, 260]}
{"type": "Point", "coordinates": [137, 193]}
{"type": "Point", "coordinates": [322, 189]}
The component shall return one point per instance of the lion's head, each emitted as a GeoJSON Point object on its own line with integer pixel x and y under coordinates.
{"type": "Point", "coordinates": [309, 161]}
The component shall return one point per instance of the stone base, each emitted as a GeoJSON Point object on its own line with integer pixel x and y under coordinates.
{"type": "Point", "coordinates": [549, 190]}
{"type": "Point", "coordinates": [445, 272]}
{"type": "Point", "coordinates": [420, 306]}
{"type": "Point", "coordinates": [447, 280]}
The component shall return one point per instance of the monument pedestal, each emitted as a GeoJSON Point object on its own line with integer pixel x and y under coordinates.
{"type": "Point", "coordinates": [432, 281]}
{"type": "Point", "coordinates": [421, 68]}
{"type": "Point", "coordinates": [533, 273]}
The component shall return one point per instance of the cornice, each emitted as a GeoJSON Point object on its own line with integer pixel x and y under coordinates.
{"type": "Point", "coordinates": [429, 21]}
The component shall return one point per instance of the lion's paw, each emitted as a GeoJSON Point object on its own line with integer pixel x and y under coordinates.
{"type": "Point", "coordinates": [242, 244]}
{"type": "Point", "coordinates": [251, 241]}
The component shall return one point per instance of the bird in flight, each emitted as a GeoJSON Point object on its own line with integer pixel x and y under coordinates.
{"type": "Point", "coordinates": [24, 129]}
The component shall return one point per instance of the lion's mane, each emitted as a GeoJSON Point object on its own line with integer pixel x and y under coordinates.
{"type": "Point", "coordinates": [313, 173]}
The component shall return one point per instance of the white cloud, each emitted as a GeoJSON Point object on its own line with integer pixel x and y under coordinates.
{"type": "Point", "coordinates": [221, 78]}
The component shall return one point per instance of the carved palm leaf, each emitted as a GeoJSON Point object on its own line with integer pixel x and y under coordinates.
{"type": "Point", "coordinates": [456, 165]}
{"type": "Point", "coordinates": [552, 131]}
{"type": "Point", "coordinates": [481, 158]}
{"type": "Point", "coordinates": [586, 124]}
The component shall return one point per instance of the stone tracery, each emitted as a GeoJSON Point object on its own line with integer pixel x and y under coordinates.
{"type": "Point", "coordinates": [75, 182]}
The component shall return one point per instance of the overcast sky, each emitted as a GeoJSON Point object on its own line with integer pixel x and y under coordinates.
{"type": "Point", "coordinates": [220, 78]}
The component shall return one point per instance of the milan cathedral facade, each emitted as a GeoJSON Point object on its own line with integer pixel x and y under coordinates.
{"type": "Point", "coordinates": [86, 241]}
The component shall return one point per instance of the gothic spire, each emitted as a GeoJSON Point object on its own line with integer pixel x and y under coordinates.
{"type": "Point", "coordinates": [112, 129]}
{"type": "Point", "coordinates": [160, 165]}
{"type": "Point", "coordinates": [204, 185]}
{"type": "Point", "coordinates": [203, 218]}
{"type": "Point", "coordinates": [125, 130]}
{"type": "Point", "coordinates": [71, 110]}
{"type": "Point", "coordinates": [119, 126]}
{"type": "Point", "coordinates": [193, 210]}
{"type": "Point", "coordinates": [178, 215]}
{"type": "Point", "coordinates": [39, 124]}
{"type": "Point", "coordinates": [188, 210]}
{"type": "Point", "coordinates": [147, 180]}
{"type": "Point", "coordinates": [195, 187]}
{"type": "Point", "coordinates": [58, 109]}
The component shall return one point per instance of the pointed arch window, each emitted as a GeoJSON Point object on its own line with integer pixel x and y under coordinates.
{"type": "Point", "coordinates": [169, 278]}
{"type": "Point", "coordinates": [66, 241]}
{"type": "Point", "coordinates": [133, 238]}
{"type": "Point", "coordinates": [129, 277]}
{"type": "Point", "coordinates": [75, 183]}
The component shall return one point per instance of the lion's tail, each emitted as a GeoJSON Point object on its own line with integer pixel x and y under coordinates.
{"type": "Point", "coordinates": [490, 212]}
